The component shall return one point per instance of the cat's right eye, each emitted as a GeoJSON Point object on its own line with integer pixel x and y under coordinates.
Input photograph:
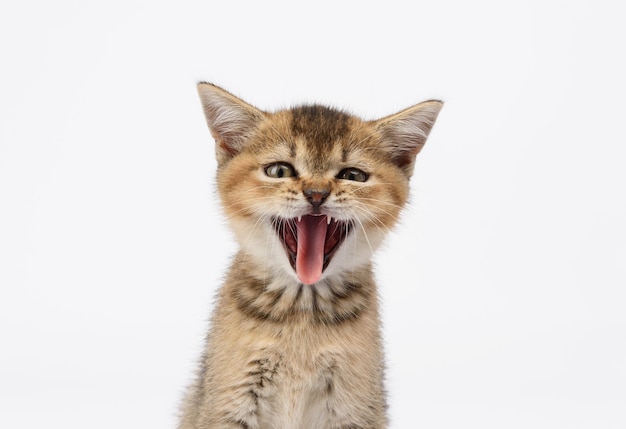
{"type": "Point", "coordinates": [279, 170]}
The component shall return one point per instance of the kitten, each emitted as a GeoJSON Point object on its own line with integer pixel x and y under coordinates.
{"type": "Point", "coordinates": [310, 193]}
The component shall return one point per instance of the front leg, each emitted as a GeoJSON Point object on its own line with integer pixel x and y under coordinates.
{"type": "Point", "coordinates": [234, 394]}
{"type": "Point", "coordinates": [354, 393]}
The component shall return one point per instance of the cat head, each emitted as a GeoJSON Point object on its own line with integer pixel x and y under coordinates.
{"type": "Point", "coordinates": [311, 191]}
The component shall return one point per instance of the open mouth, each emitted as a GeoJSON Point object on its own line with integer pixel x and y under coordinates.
{"type": "Point", "coordinates": [310, 242]}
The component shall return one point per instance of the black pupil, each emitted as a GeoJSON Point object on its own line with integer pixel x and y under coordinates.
{"type": "Point", "coordinates": [353, 174]}
{"type": "Point", "coordinates": [280, 171]}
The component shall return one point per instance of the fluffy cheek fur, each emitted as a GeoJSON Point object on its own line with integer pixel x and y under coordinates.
{"type": "Point", "coordinates": [249, 205]}
{"type": "Point", "coordinates": [376, 210]}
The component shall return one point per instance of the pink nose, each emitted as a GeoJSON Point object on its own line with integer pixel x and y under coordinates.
{"type": "Point", "coordinates": [316, 196]}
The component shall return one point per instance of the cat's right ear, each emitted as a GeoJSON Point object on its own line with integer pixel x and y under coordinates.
{"type": "Point", "coordinates": [230, 120]}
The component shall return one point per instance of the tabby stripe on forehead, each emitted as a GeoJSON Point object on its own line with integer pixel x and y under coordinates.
{"type": "Point", "coordinates": [319, 124]}
{"type": "Point", "coordinates": [292, 149]}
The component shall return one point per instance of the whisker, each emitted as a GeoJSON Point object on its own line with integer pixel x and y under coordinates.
{"type": "Point", "coordinates": [361, 210]}
{"type": "Point", "coordinates": [365, 234]}
{"type": "Point", "coordinates": [385, 202]}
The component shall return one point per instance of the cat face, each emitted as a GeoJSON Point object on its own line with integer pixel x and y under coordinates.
{"type": "Point", "coordinates": [312, 191]}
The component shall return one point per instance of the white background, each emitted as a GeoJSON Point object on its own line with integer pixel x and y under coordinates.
{"type": "Point", "coordinates": [504, 287]}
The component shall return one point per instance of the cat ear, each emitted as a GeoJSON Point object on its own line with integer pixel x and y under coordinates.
{"type": "Point", "coordinates": [230, 119]}
{"type": "Point", "coordinates": [405, 132]}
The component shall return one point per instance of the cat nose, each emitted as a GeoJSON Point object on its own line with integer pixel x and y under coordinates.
{"type": "Point", "coordinates": [316, 196]}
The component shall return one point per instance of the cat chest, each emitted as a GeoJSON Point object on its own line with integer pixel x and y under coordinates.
{"type": "Point", "coordinates": [298, 394]}
{"type": "Point", "coordinates": [299, 382]}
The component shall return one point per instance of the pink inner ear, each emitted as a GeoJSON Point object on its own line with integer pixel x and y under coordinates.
{"type": "Point", "coordinates": [405, 157]}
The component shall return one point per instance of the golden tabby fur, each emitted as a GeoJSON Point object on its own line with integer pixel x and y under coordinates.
{"type": "Point", "coordinates": [310, 193]}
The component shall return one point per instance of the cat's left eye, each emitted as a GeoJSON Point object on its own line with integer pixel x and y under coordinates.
{"type": "Point", "coordinates": [279, 170]}
{"type": "Point", "coordinates": [353, 174]}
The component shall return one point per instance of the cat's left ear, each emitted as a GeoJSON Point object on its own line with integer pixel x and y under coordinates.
{"type": "Point", "coordinates": [405, 132]}
{"type": "Point", "coordinates": [230, 119]}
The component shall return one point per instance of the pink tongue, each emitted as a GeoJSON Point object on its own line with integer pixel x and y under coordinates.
{"type": "Point", "coordinates": [310, 255]}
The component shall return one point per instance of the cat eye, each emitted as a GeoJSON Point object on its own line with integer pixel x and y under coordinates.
{"type": "Point", "coordinates": [279, 170]}
{"type": "Point", "coordinates": [353, 174]}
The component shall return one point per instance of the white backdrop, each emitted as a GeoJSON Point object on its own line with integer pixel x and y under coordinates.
{"type": "Point", "coordinates": [504, 288]}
